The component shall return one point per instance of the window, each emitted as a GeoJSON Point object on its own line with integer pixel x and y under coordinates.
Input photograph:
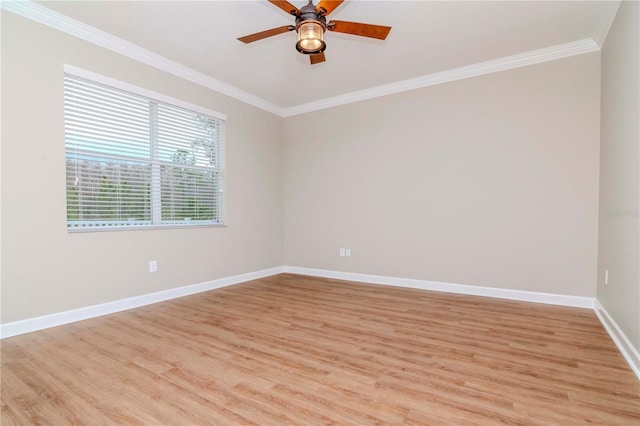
{"type": "Point", "coordinates": [134, 161]}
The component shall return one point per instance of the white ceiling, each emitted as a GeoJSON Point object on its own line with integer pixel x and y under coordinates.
{"type": "Point", "coordinates": [427, 37]}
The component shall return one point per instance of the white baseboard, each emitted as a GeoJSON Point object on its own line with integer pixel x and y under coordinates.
{"type": "Point", "coordinates": [630, 353]}
{"type": "Point", "coordinates": [623, 343]}
{"type": "Point", "coordinates": [53, 320]}
{"type": "Point", "coordinates": [501, 293]}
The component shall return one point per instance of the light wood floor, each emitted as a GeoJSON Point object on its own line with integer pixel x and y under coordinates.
{"type": "Point", "coordinates": [298, 350]}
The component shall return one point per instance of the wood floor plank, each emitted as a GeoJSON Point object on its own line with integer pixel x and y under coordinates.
{"type": "Point", "coordinates": [297, 350]}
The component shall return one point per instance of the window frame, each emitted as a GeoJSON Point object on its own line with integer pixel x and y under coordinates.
{"type": "Point", "coordinates": [156, 97]}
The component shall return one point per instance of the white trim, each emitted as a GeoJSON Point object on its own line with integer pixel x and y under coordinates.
{"type": "Point", "coordinates": [53, 320]}
{"type": "Point", "coordinates": [502, 64]}
{"type": "Point", "coordinates": [628, 351]}
{"type": "Point", "coordinates": [43, 15]}
{"type": "Point", "coordinates": [36, 12]}
{"type": "Point", "coordinates": [630, 354]}
{"type": "Point", "coordinates": [140, 91]}
{"type": "Point", "coordinates": [500, 293]}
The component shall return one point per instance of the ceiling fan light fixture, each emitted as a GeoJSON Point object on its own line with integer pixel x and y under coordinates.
{"type": "Point", "coordinates": [310, 37]}
{"type": "Point", "coordinates": [311, 24]}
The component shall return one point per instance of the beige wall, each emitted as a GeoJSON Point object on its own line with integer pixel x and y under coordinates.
{"type": "Point", "coordinates": [47, 270]}
{"type": "Point", "coordinates": [488, 181]}
{"type": "Point", "coordinates": [619, 230]}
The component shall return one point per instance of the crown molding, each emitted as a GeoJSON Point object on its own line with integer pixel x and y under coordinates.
{"type": "Point", "coordinates": [502, 64]}
{"type": "Point", "coordinates": [41, 14]}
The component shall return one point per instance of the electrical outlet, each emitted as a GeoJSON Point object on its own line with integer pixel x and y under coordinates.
{"type": "Point", "coordinates": [342, 251]}
{"type": "Point", "coordinates": [347, 252]}
{"type": "Point", "coordinates": [606, 277]}
{"type": "Point", "coordinates": [153, 266]}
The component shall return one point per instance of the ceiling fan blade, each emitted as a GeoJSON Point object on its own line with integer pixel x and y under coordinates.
{"type": "Point", "coordinates": [264, 34]}
{"type": "Point", "coordinates": [286, 6]}
{"type": "Point", "coordinates": [317, 58]}
{"type": "Point", "coordinates": [365, 30]}
{"type": "Point", "coordinates": [328, 6]}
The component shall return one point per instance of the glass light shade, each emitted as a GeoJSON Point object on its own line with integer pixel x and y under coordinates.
{"type": "Point", "coordinates": [310, 36]}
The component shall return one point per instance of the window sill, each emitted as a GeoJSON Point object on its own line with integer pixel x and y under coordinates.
{"type": "Point", "coordinates": [82, 230]}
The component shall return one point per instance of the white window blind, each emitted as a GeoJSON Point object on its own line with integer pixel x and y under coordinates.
{"type": "Point", "coordinates": [136, 162]}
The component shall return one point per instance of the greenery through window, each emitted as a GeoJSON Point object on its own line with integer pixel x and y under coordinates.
{"type": "Point", "coordinates": [136, 162]}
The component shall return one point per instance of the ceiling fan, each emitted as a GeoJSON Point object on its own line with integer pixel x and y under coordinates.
{"type": "Point", "coordinates": [311, 24]}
